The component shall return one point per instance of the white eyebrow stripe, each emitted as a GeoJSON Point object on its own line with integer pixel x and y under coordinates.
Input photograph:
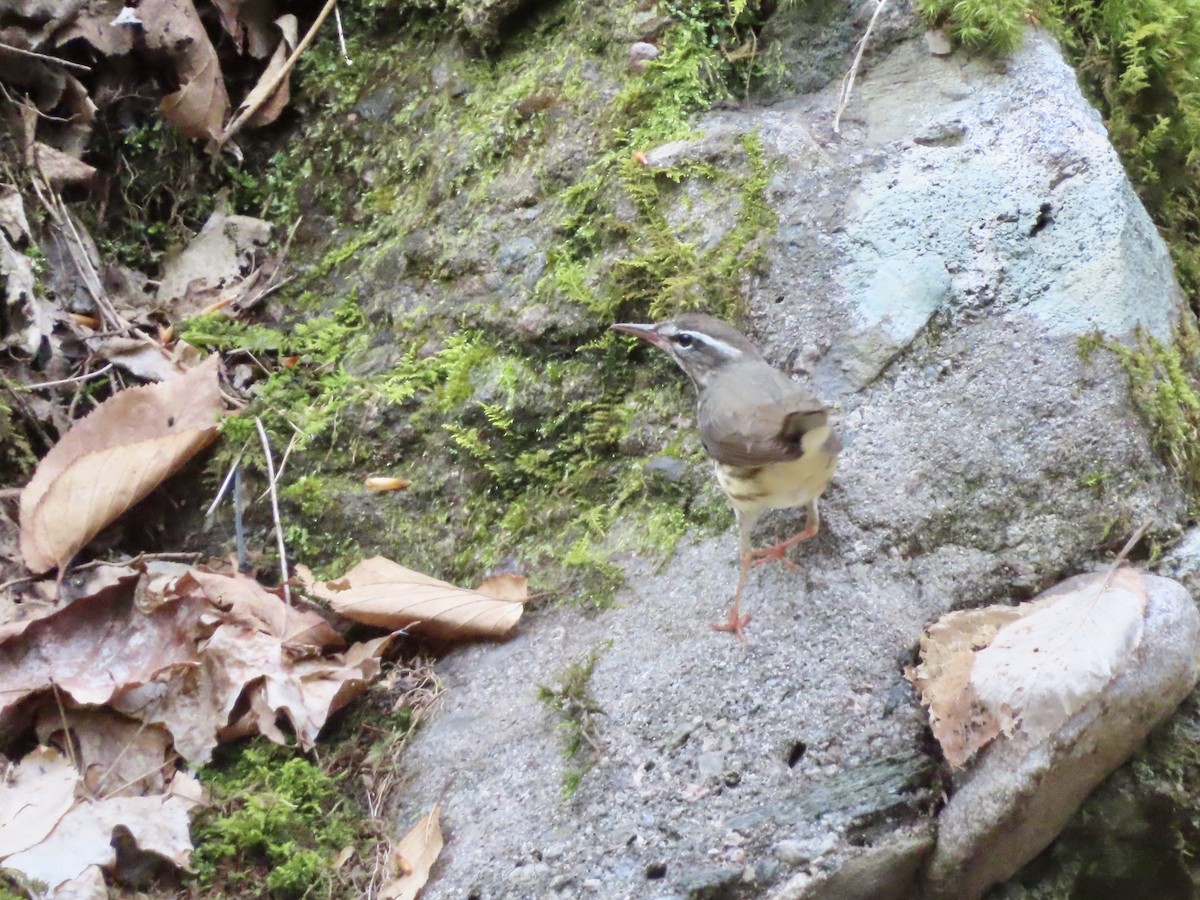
{"type": "Point", "coordinates": [727, 350]}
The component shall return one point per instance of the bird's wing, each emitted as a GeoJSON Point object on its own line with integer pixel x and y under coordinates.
{"type": "Point", "coordinates": [760, 419]}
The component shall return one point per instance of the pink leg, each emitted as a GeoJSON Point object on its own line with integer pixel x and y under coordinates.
{"type": "Point", "coordinates": [734, 623]}
{"type": "Point", "coordinates": [776, 551]}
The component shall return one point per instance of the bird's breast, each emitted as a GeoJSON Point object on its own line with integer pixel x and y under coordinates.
{"type": "Point", "coordinates": [780, 485]}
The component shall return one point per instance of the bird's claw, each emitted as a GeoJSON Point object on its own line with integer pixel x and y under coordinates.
{"type": "Point", "coordinates": [735, 624]}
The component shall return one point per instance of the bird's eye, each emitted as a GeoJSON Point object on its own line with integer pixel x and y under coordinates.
{"type": "Point", "coordinates": [683, 339]}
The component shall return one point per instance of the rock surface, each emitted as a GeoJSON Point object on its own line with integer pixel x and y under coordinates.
{"type": "Point", "coordinates": [933, 270]}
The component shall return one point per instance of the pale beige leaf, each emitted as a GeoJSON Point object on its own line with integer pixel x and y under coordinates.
{"type": "Point", "coordinates": [249, 603]}
{"type": "Point", "coordinates": [97, 647]}
{"type": "Point", "coordinates": [223, 254]}
{"type": "Point", "coordinates": [380, 483]}
{"type": "Point", "coordinates": [12, 214]}
{"type": "Point", "coordinates": [141, 358]}
{"type": "Point", "coordinates": [83, 837]}
{"type": "Point", "coordinates": [115, 754]}
{"type": "Point", "coordinates": [386, 594]}
{"type": "Point", "coordinates": [60, 169]}
{"type": "Point", "coordinates": [278, 99]}
{"type": "Point", "coordinates": [956, 717]}
{"type": "Point", "coordinates": [413, 857]}
{"type": "Point", "coordinates": [33, 798]}
{"type": "Point", "coordinates": [112, 459]}
{"type": "Point", "coordinates": [505, 586]}
{"type": "Point", "coordinates": [1041, 670]}
{"type": "Point", "coordinates": [201, 104]}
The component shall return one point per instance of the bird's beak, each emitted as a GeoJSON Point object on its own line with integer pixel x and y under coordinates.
{"type": "Point", "coordinates": [648, 333]}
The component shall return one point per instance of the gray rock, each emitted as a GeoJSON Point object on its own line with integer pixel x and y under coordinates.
{"type": "Point", "coordinates": [1014, 801]}
{"type": "Point", "coordinates": [884, 872]}
{"type": "Point", "coordinates": [640, 54]}
{"type": "Point", "coordinates": [668, 468]}
{"type": "Point", "coordinates": [908, 251]}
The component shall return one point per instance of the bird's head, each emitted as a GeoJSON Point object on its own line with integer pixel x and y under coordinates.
{"type": "Point", "coordinates": [699, 344]}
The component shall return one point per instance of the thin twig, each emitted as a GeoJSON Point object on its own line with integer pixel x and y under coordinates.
{"type": "Point", "coordinates": [848, 81]}
{"type": "Point", "coordinates": [225, 484]}
{"type": "Point", "coordinates": [66, 63]}
{"type": "Point", "coordinates": [239, 520]}
{"type": "Point", "coordinates": [62, 381]}
{"type": "Point", "coordinates": [1125, 551]}
{"type": "Point", "coordinates": [297, 434]}
{"type": "Point", "coordinates": [337, 17]}
{"type": "Point", "coordinates": [240, 119]}
{"type": "Point", "coordinates": [283, 570]}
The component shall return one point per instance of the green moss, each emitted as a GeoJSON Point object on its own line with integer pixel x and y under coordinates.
{"type": "Point", "coordinates": [275, 815]}
{"type": "Point", "coordinates": [994, 26]}
{"type": "Point", "coordinates": [1165, 383]}
{"type": "Point", "coordinates": [572, 702]}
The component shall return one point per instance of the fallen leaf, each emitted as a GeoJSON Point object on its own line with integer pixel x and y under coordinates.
{"type": "Point", "coordinates": [34, 796]}
{"type": "Point", "coordinates": [1026, 669]}
{"type": "Point", "coordinates": [112, 459]}
{"type": "Point", "coordinates": [12, 214]}
{"type": "Point", "coordinates": [278, 99]}
{"type": "Point", "coordinates": [97, 647]}
{"type": "Point", "coordinates": [223, 254]}
{"type": "Point", "coordinates": [47, 597]}
{"type": "Point", "coordinates": [386, 594]}
{"type": "Point", "coordinates": [413, 857]}
{"type": "Point", "coordinates": [505, 586]}
{"type": "Point", "coordinates": [380, 483]}
{"type": "Point", "coordinates": [116, 755]}
{"type": "Point", "coordinates": [83, 837]}
{"type": "Point", "coordinates": [144, 358]}
{"type": "Point", "coordinates": [200, 106]}
{"type": "Point", "coordinates": [249, 603]}
{"type": "Point", "coordinates": [60, 169]}
{"type": "Point", "coordinates": [1042, 669]}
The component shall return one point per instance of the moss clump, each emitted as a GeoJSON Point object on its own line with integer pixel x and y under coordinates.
{"type": "Point", "coordinates": [274, 826]}
{"type": "Point", "coordinates": [1165, 383]}
{"type": "Point", "coordinates": [994, 26]}
{"type": "Point", "coordinates": [572, 701]}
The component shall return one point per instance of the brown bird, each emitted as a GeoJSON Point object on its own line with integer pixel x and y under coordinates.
{"type": "Point", "coordinates": [769, 439]}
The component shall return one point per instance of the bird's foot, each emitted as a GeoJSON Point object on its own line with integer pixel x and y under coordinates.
{"type": "Point", "coordinates": [734, 624]}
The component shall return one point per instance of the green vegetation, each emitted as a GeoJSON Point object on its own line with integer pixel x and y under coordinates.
{"type": "Point", "coordinates": [515, 447]}
{"type": "Point", "coordinates": [577, 710]}
{"type": "Point", "coordinates": [274, 826]}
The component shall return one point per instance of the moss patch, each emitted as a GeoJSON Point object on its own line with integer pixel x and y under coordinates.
{"type": "Point", "coordinates": [457, 334]}
{"type": "Point", "coordinates": [577, 710]}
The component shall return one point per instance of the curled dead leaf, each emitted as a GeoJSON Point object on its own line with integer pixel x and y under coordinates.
{"type": "Point", "coordinates": [381, 483]}
{"type": "Point", "coordinates": [383, 593]}
{"type": "Point", "coordinates": [413, 857]}
{"type": "Point", "coordinates": [1026, 670]}
{"type": "Point", "coordinates": [112, 459]}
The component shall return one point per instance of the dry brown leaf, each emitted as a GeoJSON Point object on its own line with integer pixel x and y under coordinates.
{"type": "Point", "coordinates": [35, 794]}
{"type": "Point", "coordinates": [200, 106]}
{"type": "Point", "coordinates": [83, 837]}
{"type": "Point", "coordinates": [224, 253]}
{"type": "Point", "coordinates": [60, 169]}
{"type": "Point", "coordinates": [44, 598]}
{"type": "Point", "coordinates": [12, 214]}
{"type": "Point", "coordinates": [278, 100]}
{"type": "Point", "coordinates": [249, 24]}
{"type": "Point", "coordinates": [413, 857]}
{"type": "Point", "coordinates": [1041, 670]}
{"type": "Point", "coordinates": [505, 586]}
{"type": "Point", "coordinates": [144, 358]}
{"type": "Point", "coordinates": [382, 483]}
{"type": "Point", "coordinates": [386, 594]}
{"type": "Point", "coordinates": [1027, 668]}
{"type": "Point", "coordinates": [957, 719]}
{"type": "Point", "coordinates": [94, 24]}
{"type": "Point", "coordinates": [112, 459]}
{"type": "Point", "coordinates": [97, 647]}
{"type": "Point", "coordinates": [249, 603]}
{"type": "Point", "coordinates": [116, 755]}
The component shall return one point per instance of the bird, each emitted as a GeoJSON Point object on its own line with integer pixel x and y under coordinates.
{"type": "Point", "coordinates": [769, 438]}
